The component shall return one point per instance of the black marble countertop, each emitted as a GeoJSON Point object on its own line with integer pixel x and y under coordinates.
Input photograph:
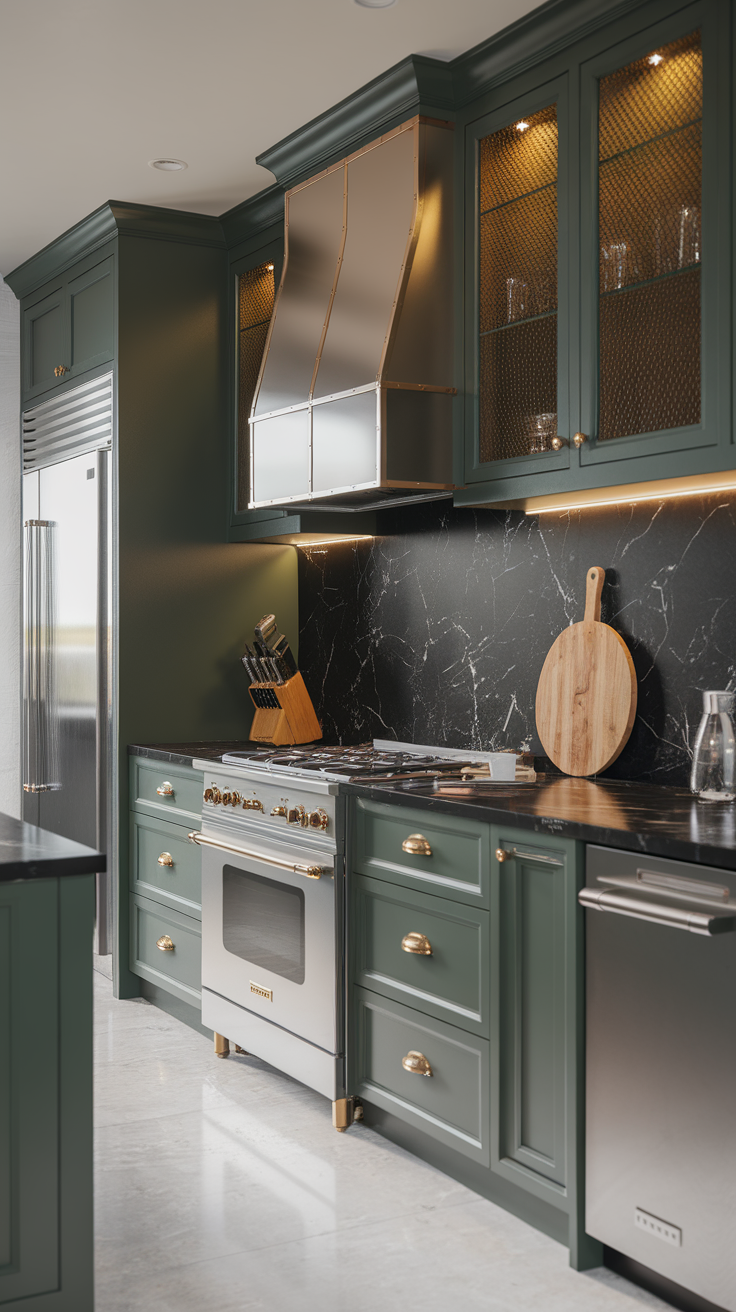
{"type": "Point", "coordinates": [184, 753]}
{"type": "Point", "coordinates": [27, 852]}
{"type": "Point", "coordinates": [648, 818]}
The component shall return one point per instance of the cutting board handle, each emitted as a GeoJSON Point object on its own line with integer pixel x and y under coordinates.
{"type": "Point", "coordinates": [593, 590]}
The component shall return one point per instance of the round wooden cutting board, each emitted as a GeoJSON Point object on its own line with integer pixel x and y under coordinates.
{"type": "Point", "coordinates": [586, 696]}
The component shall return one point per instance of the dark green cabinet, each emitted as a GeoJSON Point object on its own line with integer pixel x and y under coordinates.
{"type": "Point", "coordinates": [476, 969]}
{"type": "Point", "coordinates": [46, 1233]}
{"type": "Point", "coordinates": [597, 258]}
{"type": "Point", "coordinates": [69, 328]}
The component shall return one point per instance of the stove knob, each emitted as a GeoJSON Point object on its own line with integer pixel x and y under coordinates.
{"type": "Point", "coordinates": [208, 794]}
{"type": "Point", "coordinates": [216, 797]}
{"type": "Point", "coordinates": [235, 799]}
{"type": "Point", "coordinates": [256, 805]}
{"type": "Point", "coordinates": [318, 819]}
{"type": "Point", "coordinates": [279, 810]}
{"type": "Point", "coordinates": [297, 816]}
{"type": "Point", "coordinates": [226, 799]}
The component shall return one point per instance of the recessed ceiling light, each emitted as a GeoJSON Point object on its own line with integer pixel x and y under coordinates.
{"type": "Point", "coordinates": [374, 4]}
{"type": "Point", "coordinates": [168, 165]}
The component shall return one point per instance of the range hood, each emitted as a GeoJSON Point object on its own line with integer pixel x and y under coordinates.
{"type": "Point", "coordinates": [353, 405]}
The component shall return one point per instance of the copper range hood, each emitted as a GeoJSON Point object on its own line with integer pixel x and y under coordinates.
{"type": "Point", "coordinates": [353, 406]}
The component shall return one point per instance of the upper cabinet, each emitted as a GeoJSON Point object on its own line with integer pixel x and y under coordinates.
{"type": "Point", "coordinates": [70, 328]}
{"type": "Point", "coordinates": [597, 255]}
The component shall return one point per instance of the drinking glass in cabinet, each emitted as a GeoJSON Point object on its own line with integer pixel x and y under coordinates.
{"type": "Point", "coordinates": [518, 287]}
{"type": "Point", "coordinates": [649, 224]}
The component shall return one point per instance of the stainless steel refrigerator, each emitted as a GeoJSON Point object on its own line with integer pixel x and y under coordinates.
{"type": "Point", "coordinates": [67, 652]}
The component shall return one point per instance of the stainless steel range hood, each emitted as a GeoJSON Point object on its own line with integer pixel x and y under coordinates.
{"type": "Point", "coordinates": [353, 402]}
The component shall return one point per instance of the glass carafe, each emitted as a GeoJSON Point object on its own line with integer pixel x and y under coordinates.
{"type": "Point", "coordinates": [713, 775]}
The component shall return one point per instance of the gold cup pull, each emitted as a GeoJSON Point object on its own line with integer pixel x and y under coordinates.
{"type": "Point", "coordinates": [501, 855]}
{"type": "Point", "coordinates": [165, 789]}
{"type": "Point", "coordinates": [416, 1064]}
{"type": "Point", "coordinates": [416, 845]}
{"type": "Point", "coordinates": [166, 859]}
{"type": "Point", "coordinates": [164, 943]}
{"type": "Point", "coordinates": [418, 943]}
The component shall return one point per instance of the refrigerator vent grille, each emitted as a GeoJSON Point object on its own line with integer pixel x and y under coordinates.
{"type": "Point", "coordinates": [68, 425]}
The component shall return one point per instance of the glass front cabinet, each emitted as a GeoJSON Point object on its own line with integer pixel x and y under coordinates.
{"type": "Point", "coordinates": [597, 264]}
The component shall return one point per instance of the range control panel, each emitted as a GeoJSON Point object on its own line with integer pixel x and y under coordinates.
{"type": "Point", "coordinates": [282, 803]}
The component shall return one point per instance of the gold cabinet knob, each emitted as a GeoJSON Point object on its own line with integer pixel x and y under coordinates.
{"type": "Point", "coordinates": [416, 1064]}
{"type": "Point", "coordinates": [501, 855]}
{"type": "Point", "coordinates": [165, 789]}
{"type": "Point", "coordinates": [417, 943]}
{"type": "Point", "coordinates": [60, 370]}
{"type": "Point", "coordinates": [278, 810]}
{"type": "Point", "coordinates": [558, 442]}
{"type": "Point", "coordinates": [166, 859]}
{"type": "Point", "coordinates": [164, 943]}
{"type": "Point", "coordinates": [318, 819]}
{"type": "Point", "coordinates": [579, 438]}
{"type": "Point", "coordinates": [416, 845]}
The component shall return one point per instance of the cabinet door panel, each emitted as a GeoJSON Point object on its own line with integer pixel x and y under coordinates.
{"type": "Point", "coordinates": [652, 149]}
{"type": "Point", "coordinates": [91, 310]}
{"type": "Point", "coordinates": [45, 344]}
{"type": "Point", "coordinates": [533, 963]}
{"type": "Point", "coordinates": [517, 272]}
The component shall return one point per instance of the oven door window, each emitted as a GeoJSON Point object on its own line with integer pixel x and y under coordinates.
{"type": "Point", "coordinates": [263, 922]}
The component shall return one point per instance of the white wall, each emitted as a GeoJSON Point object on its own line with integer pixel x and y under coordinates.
{"type": "Point", "coordinates": [10, 572]}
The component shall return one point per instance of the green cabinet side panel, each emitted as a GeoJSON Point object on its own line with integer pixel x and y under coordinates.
{"type": "Point", "coordinates": [46, 1233]}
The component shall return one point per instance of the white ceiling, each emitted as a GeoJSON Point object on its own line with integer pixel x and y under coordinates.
{"type": "Point", "coordinates": [91, 90]}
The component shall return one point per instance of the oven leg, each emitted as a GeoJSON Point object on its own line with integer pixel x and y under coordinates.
{"type": "Point", "coordinates": [222, 1046]}
{"type": "Point", "coordinates": [342, 1114]}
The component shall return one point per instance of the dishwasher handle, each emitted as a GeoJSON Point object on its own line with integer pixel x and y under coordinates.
{"type": "Point", "coordinates": [657, 913]}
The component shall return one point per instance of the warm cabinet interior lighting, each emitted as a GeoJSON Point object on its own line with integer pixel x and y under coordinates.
{"type": "Point", "coordinates": [522, 126]}
{"type": "Point", "coordinates": [654, 60]}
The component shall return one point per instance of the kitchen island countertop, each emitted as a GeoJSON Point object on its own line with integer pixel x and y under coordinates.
{"type": "Point", "coordinates": [27, 852]}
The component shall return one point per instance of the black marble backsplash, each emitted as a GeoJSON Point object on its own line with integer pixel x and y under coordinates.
{"type": "Point", "coordinates": [437, 631]}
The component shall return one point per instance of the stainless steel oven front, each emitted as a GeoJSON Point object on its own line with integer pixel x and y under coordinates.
{"type": "Point", "coordinates": [268, 929]}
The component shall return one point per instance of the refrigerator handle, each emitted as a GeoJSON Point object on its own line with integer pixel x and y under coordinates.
{"type": "Point", "coordinates": [657, 913]}
{"type": "Point", "coordinates": [40, 737]}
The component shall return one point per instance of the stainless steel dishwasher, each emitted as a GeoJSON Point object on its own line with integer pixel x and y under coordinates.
{"type": "Point", "coordinates": [661, 1066]}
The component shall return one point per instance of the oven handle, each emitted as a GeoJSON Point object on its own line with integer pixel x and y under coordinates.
{"type": "Point", "coordinates": [311, 872]}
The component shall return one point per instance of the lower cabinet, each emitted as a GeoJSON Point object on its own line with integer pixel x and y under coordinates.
{"type": "Point", "coordinates": [165, 882]}
{"type": "Point", "coordinates": [166, 949]}
{"type": "Point", "coordinates": [467, 1022]}
{"type": "Point", "coordinates": [46, 1231]}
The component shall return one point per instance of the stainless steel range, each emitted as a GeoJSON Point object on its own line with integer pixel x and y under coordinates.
{"type": "Point", "coordinates": [273, 907]}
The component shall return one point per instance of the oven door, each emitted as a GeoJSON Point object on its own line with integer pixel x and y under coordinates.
{"type": "Point", "coordinates": [268, 933]}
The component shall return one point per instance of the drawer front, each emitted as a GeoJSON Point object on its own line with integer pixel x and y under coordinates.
{"type": "Point", "coordinates": [452, 1104]}
{"type": "Point", "coordinates": [448, 978]}
{"type": "Point", "coordinates": [457, 864]}
{"type": "Point", "coordinates": [165, 866]}
{"type": "Point", "coordinates": [180, 795]}
{"type": "Point", "coordinates": [180, 970]}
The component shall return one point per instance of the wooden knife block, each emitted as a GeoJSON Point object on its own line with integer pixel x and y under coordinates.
{"type": "Point", "coordinates": [283, 713]}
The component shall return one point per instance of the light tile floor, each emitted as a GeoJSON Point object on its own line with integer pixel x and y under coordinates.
{"type": "Point", "coordinates": [221, 1186]}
